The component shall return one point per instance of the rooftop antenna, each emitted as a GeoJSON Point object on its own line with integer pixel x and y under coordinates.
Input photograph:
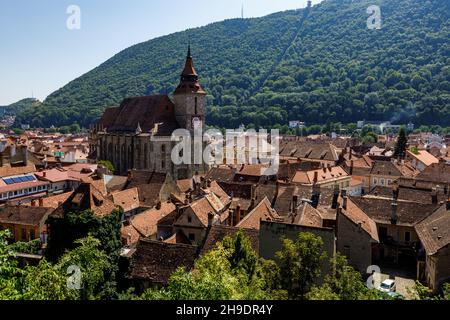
{"type": "Point", "coordinates": [242, 11]}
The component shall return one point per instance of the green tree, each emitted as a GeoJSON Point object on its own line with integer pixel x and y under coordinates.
{"type": "Point", "coordinates": [401, 144]}
{"type": "Point", "coordinates": [224, 273]}
{"type": "Point", "coordinates": [94, 265]}
{"type": "Point", "coordinates": [343, 283]}
{"type": "Point", "coordinates": [107, 164]}
{"type": "Point", "coordinates": [300, 263]}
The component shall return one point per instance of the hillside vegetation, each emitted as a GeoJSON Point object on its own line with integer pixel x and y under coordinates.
{"type": "Point", "coordinates": [317, 65]}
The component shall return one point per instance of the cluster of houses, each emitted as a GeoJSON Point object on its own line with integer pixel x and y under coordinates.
{"type": "Point", "coordinates": [359, 198]}
{"type": "Point", "coordinates": [362, 201]}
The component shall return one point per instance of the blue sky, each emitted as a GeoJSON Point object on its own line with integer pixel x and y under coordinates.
{"type": "Point", "coordinates": [39, 54]}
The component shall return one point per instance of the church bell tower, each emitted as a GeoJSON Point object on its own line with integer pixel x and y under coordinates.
{"type": "Point", "coordinates": [190, 98]}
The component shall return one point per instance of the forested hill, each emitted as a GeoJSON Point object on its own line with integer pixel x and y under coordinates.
{"type": "Point", "coordinates": [317, 65]}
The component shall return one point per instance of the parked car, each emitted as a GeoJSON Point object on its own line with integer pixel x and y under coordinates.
{"type": "Point", "coordinates": [388, 286]}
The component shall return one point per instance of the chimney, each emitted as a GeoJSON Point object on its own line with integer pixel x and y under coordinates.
{"type": "Point", "coordinates": [294, 203]}
{"type": "Point", "coordinates": [316, 177]}
{"type": "Point", "coordinates": [210, 219]}
{"type": "Point", "coordinates": [395, 192]}
{"type": "Point", "coordinates": [41, 202]}
{"type": "Point", "coordinates": [208, 183]}
{"type": "Point", "coordinates": [25, 155]}
{"type": "Point", "coordinates": [344, 199]}
{"type": "Point", "coordinates": [230, 218]}
{"type": "Point", "coordinates": [448, 204]}
{"type": "Point", "coordinates": [44, 174]}
{"type": "Point", "coordinates": [334, 204]}
{"type": "Point", "coordinates": [394, 216]}
{"type": "Point", "coordinates": [253, 192]}
{"type": "Point", "coordinates": [434, 197]}
{"type": "Point", "coordinates": [238, 215]}
{"type": "Point", "coordinates": [158, 205]}
{"type": "Point", "coordinates": [351, 167]}
{"type": "Point", "coordinates": [203, 182]}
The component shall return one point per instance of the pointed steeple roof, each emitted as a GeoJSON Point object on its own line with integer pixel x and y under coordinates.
{"type": "Point", "coordinates": [189, 77]}
{"type": "Point", "coordinates": [189, 72]}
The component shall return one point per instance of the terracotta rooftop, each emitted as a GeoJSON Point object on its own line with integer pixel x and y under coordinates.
{"type": "Point", "coordinates": [218, 232]}
{"type": "Point", "coordinates": [55, 201]}
{"type": "Point", "coordinates": [6, 171]}
{"type": "Point", "coordinates": [127, 199]}
{"type": "Point", "coordinates": [24, 215]}
{"type": "Point", "coordinates": [263, 211]}
{"type": "Point", "coordinates": [156, 261]}
{"type": "Point", "coordinates": [379, 210]}
{"type": "Point", "coordinates": [359, 217]}
{"type": "Point", "coordinates": [146, 222]}
{"type": "Point", "coordinates": [154, 114]}
{"type": "Point", "coordinates": [307, 177]}
{"type": "Point", "coordinates": [423, 156]}
{"type": "Point", "coordinates": [437, 172]}
{"type": "Point", "coordinates": [308, 150]}
{"type": "Point", "coordinates": [434, 231]}
{"type": "Point", "coordinates": [130, 235]}
{"type": "Point", "coordinates": [86, 197]}
{"type": "Point", "coordinates": [309, 216]}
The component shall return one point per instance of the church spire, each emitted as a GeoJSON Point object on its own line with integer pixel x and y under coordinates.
{"type": "Point", "coordinates": [189, 76]}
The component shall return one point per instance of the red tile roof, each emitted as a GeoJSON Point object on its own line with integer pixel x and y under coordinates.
{"type": "Point", "coordinates": [263, 211]}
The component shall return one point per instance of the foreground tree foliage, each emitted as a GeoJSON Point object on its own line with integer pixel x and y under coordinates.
{"type": "Point", "coordinates": [300, 263]}
{"type": "Point", "coordinates": [230, 272]}
{"type": "Point", "coordinates": [47, 281]}
{"type": "Point", "coordinates": [343, 283]}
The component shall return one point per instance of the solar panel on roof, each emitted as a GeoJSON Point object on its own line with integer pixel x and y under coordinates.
{"type": "Point", "coordinates": [29, 178]}
{"type": "Point", "coordinates": [16, 180]}
{"type": "Point", "coordinates": [23, 179]}
{"type": "Point", "coordinates": [8, 181]}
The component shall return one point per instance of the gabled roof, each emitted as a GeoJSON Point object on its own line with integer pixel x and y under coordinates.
{"type": "Point", "coordinates": [86, 197]}
{"type": "Point", "coordinates": [359, 217]}
{"type": "Point", "coordinates": [218, 232]}
{"type": "Point", "coordinates": [308, 150]}
{"type": "Point", "coordinates": [24, 215]}
{"type": "Point", "coordinates": [6, 171]}
{"type": "Point", "coordinates": [202, 207]}
{"type": "Point", "coordinates": [379, 210]}
{"type": "Point", "coordinates": [434, 231]}
{"type": "Point", "coordinates": [437, 172]}
{"type": "Point", "coordinates": [309, 216]}
{"type": "Point", "coordinates": [156, 261]}
{"type": "Point", "coordinates": [423, 156]}
{"type": "Point", "coordinates": [146, 222]}
{"type": "Point", "coordinates": [127, 199]}
{"type": "Point", "coordinates": [385, 168]}
{"type": "Point", "coordinates": [307, 177]}
{"type": "Point", "coordinates": [154, 114]}
{"type": "Point", "coordinates": [263, 211]}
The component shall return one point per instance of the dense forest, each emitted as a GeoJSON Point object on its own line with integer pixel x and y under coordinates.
{"type": "Point", "coordinates": [318, 65]}
{"type": "Point", "coordinates": [22, 105]}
